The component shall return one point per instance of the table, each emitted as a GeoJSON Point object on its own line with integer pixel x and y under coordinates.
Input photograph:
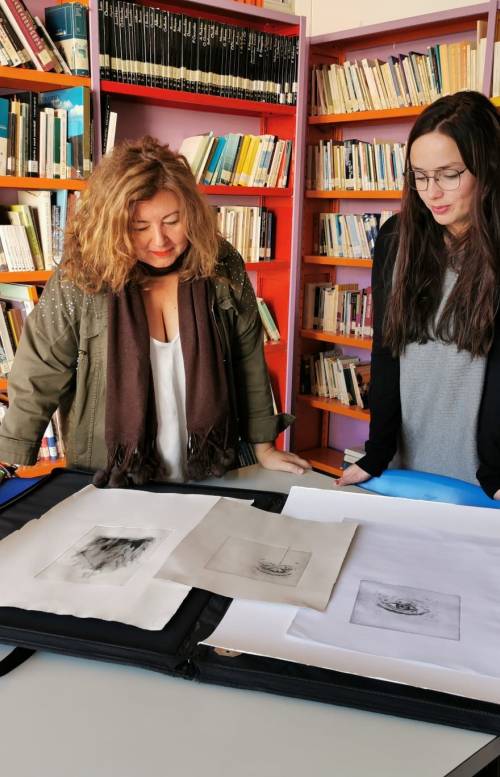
{"type": "Point", "coordinates": [68, 717]}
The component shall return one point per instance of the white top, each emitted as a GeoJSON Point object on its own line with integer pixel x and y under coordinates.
{"type": "Point", "coordinates": [169, 380]}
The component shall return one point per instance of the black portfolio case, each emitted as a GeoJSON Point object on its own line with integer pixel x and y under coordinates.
{"type": "Point", "coordinates": [176, 650]}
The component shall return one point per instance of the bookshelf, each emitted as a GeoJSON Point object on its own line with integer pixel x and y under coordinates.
{"type": "Point", "coordinates": [19, 79]}
{"type": "Point", "coordinates": [172, 115]}
{"type": "Point", "coordinates": [325, 427]}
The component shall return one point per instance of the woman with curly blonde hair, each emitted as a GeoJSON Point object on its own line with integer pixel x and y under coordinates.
{"type": "Point", "coordinates": [147, 337]}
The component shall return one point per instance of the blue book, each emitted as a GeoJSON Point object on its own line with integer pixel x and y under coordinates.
{"type": "Point", "coordinates": [76, 101]}
{"type": "Point", "coordinates": [68, 28]}
{"type": "Point", "coordinates": [4, 134]}
{"type": "Point", "coordinates": [212, 167]}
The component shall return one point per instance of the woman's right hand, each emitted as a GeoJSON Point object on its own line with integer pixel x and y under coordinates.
{"type": "Point", "coordinates": [353, 475]}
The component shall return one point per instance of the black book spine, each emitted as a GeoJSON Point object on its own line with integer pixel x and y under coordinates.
{"type": "Point", "coordinates": [32, 150]}
{"type": "Point", "coordinates": [147, 45]}
{"type": "Point", "coordinates": [252, 55]}
{"type": "Point", "coordinates": [106, 25]}
{"type": "Point", "coordinates": [231, 64]}
{"type": "Point", "coordinates": [11, 144]}
{"type": "Point", "coordinates": [194, 56]}
{"type": "Point", "coordinates": [129, 26]}
{"type": "Point", "coordinates": [102, 44]}
{"type": "Point", "coordinates": [186, 42]}
{"type": "Point", "coordinates": [136, 37]}
{"type": "Point", "coordinates": [165, 50]}
{"type": "Point", "coordinates": [241, 65]}
{"type": "Point", "coordinates": [201, 56]}
{"type": "Point", "coordinates": [105, 111]}
{"type": "Point", "coordinates": [116, 31]}
{"type": "Point", "coordinates": [295, 68]}
{"type": "Point", "coordinates": [122, 42]}
{"type": "Point", "coordinates": [266, 50]}
{"type": "Point", "coordinates": [213, 57]}
{"type": "Point", "coordinates": [275, 84]}
{"type": "Point", "coordinates": [141, 51]}
{"type": "Point", "coordinates": [178, 51]}
{"type": "Point", "coordinates": [152, 48]}
{"type": "Point", "coordinates": [158, 52]}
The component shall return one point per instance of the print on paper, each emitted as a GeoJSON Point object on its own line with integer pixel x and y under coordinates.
{"type": "Point", "coordinates": [105, 555]}
{"type": "Point", "coordinates": [401, 608]}
{"type": "Point", "coordinates": [258, 561]}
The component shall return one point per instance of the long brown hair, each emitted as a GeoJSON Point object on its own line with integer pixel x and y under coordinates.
{"type": "Point", "coordinates": [467, 320]}
{"type": "Point", "coordinates": [98, 250]}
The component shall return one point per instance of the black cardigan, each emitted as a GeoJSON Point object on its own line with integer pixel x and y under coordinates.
{"type": "Point", "coordinates": [385, 403]}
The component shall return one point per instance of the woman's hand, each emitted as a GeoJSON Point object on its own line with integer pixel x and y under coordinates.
{"type": "Point", "coordinates": [353, 475]}
{"type": "Point", "coordinates": [496, 495]}
{"type": "Point", "coordinates": [270, 458]}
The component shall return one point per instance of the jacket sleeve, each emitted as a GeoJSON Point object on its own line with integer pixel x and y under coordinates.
{"type": "Point", "coordinates": [385, 402]}
{"type": "Point", "coordinates": [488, 441]}
{"type": "Point", "coordinates": [257, 420]}
{"type": "Point", "coordinates": [43, 370]}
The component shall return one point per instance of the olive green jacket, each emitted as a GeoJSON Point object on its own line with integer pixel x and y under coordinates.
{"type": "Point", "coordinates": [62, 360]}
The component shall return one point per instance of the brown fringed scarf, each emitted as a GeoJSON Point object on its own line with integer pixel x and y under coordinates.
{"type": "Point", "coordinates": [131, 425]}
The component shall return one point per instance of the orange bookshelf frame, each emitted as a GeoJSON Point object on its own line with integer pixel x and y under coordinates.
{"type": "Point", "coordinates": [15, 182]}
{"type": "Point", "coordinates": [338, 261]}
{"type": "Point", "coordinates": [327, 460]}
{"type": "Point", "coordinates": [333, 337]}
{"type": "Point", "coordinates": [171, 98]}
{"type": "Point", "coordinates": [334, 406]}
{"type": "Point", "coordinates": [28, 276]}
{"type": "Point", "coordinates": [37, 80]}
{"type": "Point", "coordinates": [387, 114]}
{"type": "Point", "coordinates": [44, 467]}
{"type": "Point", "coordinates": [348, 194]}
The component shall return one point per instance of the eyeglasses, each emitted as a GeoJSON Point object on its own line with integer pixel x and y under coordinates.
{"type": "Point", "coordinates": [447, 180]}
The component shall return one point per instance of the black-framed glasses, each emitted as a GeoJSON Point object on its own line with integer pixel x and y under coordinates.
{"type": "Point", "coordinates": [447, 179]}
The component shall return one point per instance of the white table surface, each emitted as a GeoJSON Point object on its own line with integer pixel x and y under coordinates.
{"type": "Point", "coordinates": [69, 717]}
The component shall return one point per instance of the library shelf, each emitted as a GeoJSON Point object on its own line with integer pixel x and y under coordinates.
{"type": "Point", "coordinates": [194, 101]}
{"type": "Point", "coordinates": [334, 337]}
{"type": "Point", "coordinates": [43, 467]}
{"type": "Point", "coordinates": [334, 406]}
{"type": "Point", "coordinates": [25, 182]}
{"type": "Point", "coordinates": [267, 266]}
{"type": "Point", "coordinates": [246, 191]}
{"type": "Point", "coordinates": [338, 261]}
{"type": "Point", "coordinates": [327, 460]}
{"type": "Point", "coordinates": [25, 276]}
{"type": "Point", "coordinates": [38, 81]}
{"type": "Point", "coordinates": [348, 194]}
{"type": "Point", "coordinates": [382, 115]}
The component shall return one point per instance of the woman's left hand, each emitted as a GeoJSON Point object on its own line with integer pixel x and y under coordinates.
{"type": "Point", "coordinates": [270, 458]}
{"type": "Point", "coordinates": [496, 495]}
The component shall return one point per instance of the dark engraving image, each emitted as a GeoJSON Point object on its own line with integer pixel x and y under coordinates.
{"type": "Point", "coordinates": [412, 610]}
{"type": "Point", "coordinates": [106, 555]}
{"type": "Point", "coordinates": [258, 561]}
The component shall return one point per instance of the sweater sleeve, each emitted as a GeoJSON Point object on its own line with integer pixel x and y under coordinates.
{"type": "Point", "coordinates": [488, 440]}
{"type": "Point", "coordinates": [43, 370]}
{"type": "Point", "coordinates": [385, 403]}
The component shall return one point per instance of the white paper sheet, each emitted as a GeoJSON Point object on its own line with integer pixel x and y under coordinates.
{"type": "Point", "coordinates": [418, 594]}
{"type": "Point", "coordinates": [237, 550]}
{"type": "Point", "coordinates": [95, 555]}
{"type": "Point", "coordinates": [261, 629]}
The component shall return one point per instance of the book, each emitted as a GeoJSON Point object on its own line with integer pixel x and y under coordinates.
{"type": "Point", "coordinates": [24, 27]}
{"type": "Point", "coordinates": [61, 66]}
{"type": "Point", "coordinates": [67, 26]}
{"type": "Point", "coordinates": [40, 203]}
{"type": "Point", "coordinates": [76, 102]}
{"type": "Point", "coordinates": [267, 320]}
{"type": "Point", "coordinates": [4, 134]}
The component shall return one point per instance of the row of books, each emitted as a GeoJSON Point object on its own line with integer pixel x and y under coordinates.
{"type": "Point", "coordinates": [351, 235]}
{"type": "Point", "coordinates": [332, 375]}
{"type": "Point", "coordinates": [495, 86]}
{"type": "Point", "coordinates": [238, 160]}
{"type": "Point", "coordinates": [16, 303]}
{"type": "Point", "coordinates": [59, 45]}
{"type": "Point", "coordinates": [32, 230]}
{"type": "Point", "coordinates": [150, 46]}
{"type": "Point", "coordinates": [271, 331]}
{"type": "Point", "coordinates": [46, 135]}
{"type": "Point", "coordinates": [340, 308]}
{"type": "Point", "coordinates": [404, 80]}
{"type": "Point", "coordinates": [250, 229]}
{"type": "Point", "coordinates": [355, 165]}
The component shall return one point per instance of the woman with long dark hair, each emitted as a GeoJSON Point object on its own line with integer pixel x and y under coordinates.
{"type": "Point", "coordinates": [435, 387]}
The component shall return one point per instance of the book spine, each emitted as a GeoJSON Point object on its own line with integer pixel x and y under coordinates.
{"type": "Point", "coordinates": [26, 23]}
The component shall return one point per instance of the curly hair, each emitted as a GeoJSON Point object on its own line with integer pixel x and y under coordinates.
{"type": "Point", "coordinates": [98, 250]}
